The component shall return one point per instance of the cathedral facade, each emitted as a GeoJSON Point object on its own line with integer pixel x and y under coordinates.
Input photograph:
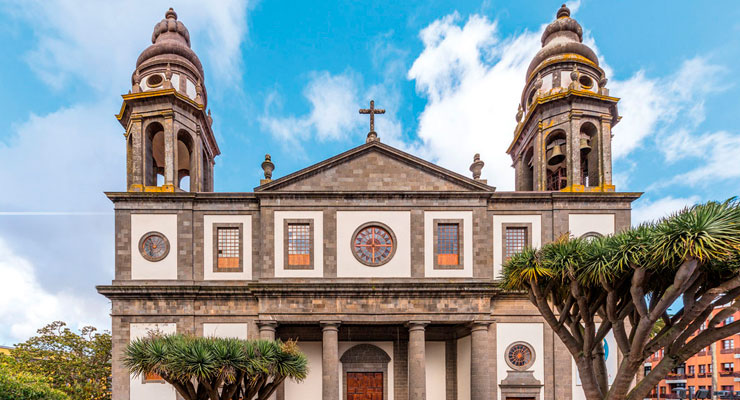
{"type": "Point", "coordinates": [383, 265]}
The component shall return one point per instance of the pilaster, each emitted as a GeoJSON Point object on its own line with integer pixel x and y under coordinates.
{"type": "Point", "coordinates": [330, 360]}
{"type": "Point", "coordinates": [480, 382]}
{"type": "Point", "coordinates": [417, 360]}
{"type": "Point", "coordinates": [170, 151]}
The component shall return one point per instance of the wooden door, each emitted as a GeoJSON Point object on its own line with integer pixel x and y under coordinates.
{"type": "Point", "coordinates": [364, 386]}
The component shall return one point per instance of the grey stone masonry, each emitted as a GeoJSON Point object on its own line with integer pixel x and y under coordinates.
{"type": "Point", "coordinates": [417, 360]}
{"type": "Point", "coordinates": [267, 329]}
{"type": "Point", "coordinates": [480, 384]}
{"type": "Point", "coordinates": [330, 360]}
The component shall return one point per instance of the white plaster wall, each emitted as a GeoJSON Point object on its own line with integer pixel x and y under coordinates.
{"type": "Point", "coordinates": [611, 367]}
{"type": "Point", "coordinates": [398, 267]}
{"type": "Point", "coordinates": [467, 217]}
{"type": "Point", "coordinates": [175, 81]}
{"type": "Point", "coordinates": [435, 370]}
{"type": "Point", "coordinates": [318, 244]}
{"type": "Point", "coordinates": [154, 390]}
{"type": "Point", "coordinates": [386, 346]}
{"type": "Point", "coordinates": [226, 330]}
{"type": "Point", "coordinates": [208, 221]}
{"type": "Point", "coordinates": [498, 247]}
{"type": "Point", "coordinates": [508, 333]}
{"type": "Point", "coordinates": [578, 224]}
{"type": "Point", "coordinates": [463, 368]}
{"type": "Point", "coordinates": [190, 89]}
{"type": "Point", "coordinates": [145, 87]}
{"type": "Point", "coordinates": [546, 82]}
{"type": "Point", "coordinates": [310, 388]}
{"type": "Point", "coordinates": [165, 224]}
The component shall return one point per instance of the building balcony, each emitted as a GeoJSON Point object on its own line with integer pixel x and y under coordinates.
{"type": "Point", "coordinates": [730, 351]}
{"type": "Point", "coordinates": [733, 374]}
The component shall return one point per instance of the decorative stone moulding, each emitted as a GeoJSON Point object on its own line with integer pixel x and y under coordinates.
{"type": "Point", "coordinates": [356, 249]}
{"type": "Point", "coordinates": [154, 246]}
{"type": "Point", "coordinates": [520, 356]}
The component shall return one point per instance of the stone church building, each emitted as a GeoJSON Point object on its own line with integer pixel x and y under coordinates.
{"type": "Point", "coordinates": [383, 265]}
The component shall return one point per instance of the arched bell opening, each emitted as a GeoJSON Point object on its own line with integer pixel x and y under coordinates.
{"type": "Point", "coordinates": [589, 148]}
{"type": "Point", "coordinates": [528, 170]}
{"type": "Point", "coordinates": [185, 160]}
{"type": "Point", "coordinates": [556, 165]}
{"type": "Point", "coordinates": [154, 155]}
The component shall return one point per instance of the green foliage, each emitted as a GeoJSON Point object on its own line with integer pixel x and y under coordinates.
{"type": "Point", "coordinates": [16, 385]}
{"type": "Point", "coordinates": [709, 233]}
{"type": "Point", "coordinates": [196, 365]}
{"type": "Point", "coordinates": [78, 364]}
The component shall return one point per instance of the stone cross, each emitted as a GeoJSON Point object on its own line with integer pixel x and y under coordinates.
{"type": "Point", "coordinates": [372, 111]}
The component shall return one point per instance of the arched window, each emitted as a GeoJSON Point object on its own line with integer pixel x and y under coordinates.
{"type": "Point", "coordinates": [185, 160]}
{"type": "Point", "coordinates": [589, 145]}
{"type": "Point", "coordinates": [528, 170]}
{"type": "Point", "coordinates": [154, 158]}
{"type": "Point", "coordinates": [556, 150]}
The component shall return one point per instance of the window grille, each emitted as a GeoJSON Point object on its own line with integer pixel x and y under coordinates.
{"type": "Point", "coordinates": [448, 244]}
{"type": "Point", "coordinates": [228, 247]}
{"type": "Point", "coordinates": [299, 244]}
{"type": "Point", "coordinates": [515, 241]}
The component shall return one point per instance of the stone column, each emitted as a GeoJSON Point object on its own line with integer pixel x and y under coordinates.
{"type": "Point", "coordinates": [480, 382]}
{"type": "Point", "coordinates": [170, 151]}
{"type": "Point", "coordinates": [135, 155]}
{"type": "Point", "coordinates": [605, 141]}
{"type": "Point", "coordinates": [417, 362]}
{"type": "Point", "coordinates": [267, 329]}
{"type": "Point", "coordinates": [330, 360]}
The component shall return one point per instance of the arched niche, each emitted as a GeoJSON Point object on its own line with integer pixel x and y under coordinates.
{"type": "Point", "coordinates": [589, 148]}
{"type": "Point", "coordinates": [555, 160]}
{"type": "Point", "coordinates": [154, 154]}
{"type": "Point", "coordinates": [364, 358]}
{"type": "Point", "coordinates": [528, 170]}
{"type": "Point", "coordinates": [185, 160]}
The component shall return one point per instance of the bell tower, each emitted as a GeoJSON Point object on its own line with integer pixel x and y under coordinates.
{"type": "Point", "coordinates": [562, 141]}
{"type": "Point", "coordinates": [170, 145]}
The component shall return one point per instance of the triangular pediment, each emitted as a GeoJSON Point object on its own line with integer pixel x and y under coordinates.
{"type": "Point", "coordinates": [375, 167]}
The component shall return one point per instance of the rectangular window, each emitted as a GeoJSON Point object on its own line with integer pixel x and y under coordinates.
{"type": "Point", "coordinates": [515, 240]}
{"type": "Point", "coordinates": [709, 368]}
{"type": "Point", "coordinates": [448, 244]}
{"type": "Point", "coordinates": [729, 367]}
{"type": "Point", "coordinates": [691, 370]}
{"type": "Point", "coordinates": [151, 377]}
{"type": "Point", "coordinates": [728, 344]}
{"type": "Point", "coordinates": [298, 243]}
{"type": "Point", "coordinates": [702, 369]}
{"type": "Point", "coordinates": [729, 320]}
{"type": "Point", "coordinates": [228, 242]}
{"type": "Point", "coordinates": [728, 388]}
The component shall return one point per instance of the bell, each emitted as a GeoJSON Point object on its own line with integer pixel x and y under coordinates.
{"type": "Point", "coordinates": [556, 157]}
{"type": "Point", "coordinates": [585, 146]}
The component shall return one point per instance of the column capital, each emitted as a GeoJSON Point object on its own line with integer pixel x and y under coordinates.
{"type": "Point", "coordinates": [480, 324]}
{"type": "Point", "coordinates": [417, 325]}
{"type": "Point", "coordinates": [267, 324]}
{"type": "Point", "coordinates": [329, 325]}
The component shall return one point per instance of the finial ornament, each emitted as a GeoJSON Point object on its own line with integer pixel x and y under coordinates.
{"type": "Point", "coordinates": [198, 92]}
{"type": "Point", "coordinates": [519, 113]}
{"type": "Point", "coordinates": [136, 88]}
{"type": "Point", "coordinates": [267, 167]}
{"type": "Point", "coordinates": [170, 14]}
{"type": "Point", "coordinates": [168, 77]}
{"type": "Point", "coordinates": [210, 119]}
{"type": "Point", "coordinates": [372, 135]}
{"type": "Point", "coordinates": [574, 74]}
{"type": "Point", "coordinates": [477, 166]}
{"type": "Point", "coordinates": [563, 12]}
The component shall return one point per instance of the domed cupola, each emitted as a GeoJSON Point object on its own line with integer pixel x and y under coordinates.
{"type": "Point", "coordinates": [564, 36]}
{"type": "Point", "coordinates": [170, 62]}
{"type": "Point", "coordinates": [562, 141]}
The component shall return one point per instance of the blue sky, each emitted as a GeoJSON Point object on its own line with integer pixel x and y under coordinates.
{"type": "Point", "coordinates": [287, 78]}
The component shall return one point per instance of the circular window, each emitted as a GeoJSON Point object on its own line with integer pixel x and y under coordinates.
{"type": "Point", "coordinates": [154, 246]}
{"type": "Point", "coordinates": [373, 244]}
{"type": "Point", "coordinates": [154, 80]}
{"type": "Point", "coordinates": [519, 356]}
{"type": "Point", "coordinates": [585, 82]}
{"type": "Point", "coordinates": [589, 236]}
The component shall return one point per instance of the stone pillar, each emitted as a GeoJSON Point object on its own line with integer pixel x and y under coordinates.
{"type": "Point", "coordinates": [330, 360]}
{"type": "Point", "coordinates": [170, 152]}
{"type": "Point", "coordinates": [417, 362]}
{"type": "Point", "coordinates": [267, 329]}
{"type": "Point", "coordinates": [136, 155]}
{"type": "Point", "coordinates": [480, 382]}
{"type": "Point", "coordinates": [606, 153]}
{"type": "Point", "coordinates": [573, 138]}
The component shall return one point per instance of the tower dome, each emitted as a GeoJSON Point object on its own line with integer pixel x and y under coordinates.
{"type": "Point", "coordinates": [169, 54]}
{"type": "Point", "coordinates": [563, 37]}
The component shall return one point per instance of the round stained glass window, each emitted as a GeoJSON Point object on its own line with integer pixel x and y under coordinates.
{"type": "Point", "coordinates": [154, 246]}
{"type": "Point", "coordinates": [373, 244]}
{"type": "Point", "coordinates": [519, 356]}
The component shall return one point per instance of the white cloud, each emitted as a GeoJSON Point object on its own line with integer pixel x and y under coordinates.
{"type": "Point", "coordinates": [472, 80]}
{"type": "Point", "coordinates": [717, 154]}
{"type": "Point", "coordinates": [25, 306]}
{"type": "Point", "coordinates": [96, 43]}
{"type": "Point", "coordinates": [647, 211]}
